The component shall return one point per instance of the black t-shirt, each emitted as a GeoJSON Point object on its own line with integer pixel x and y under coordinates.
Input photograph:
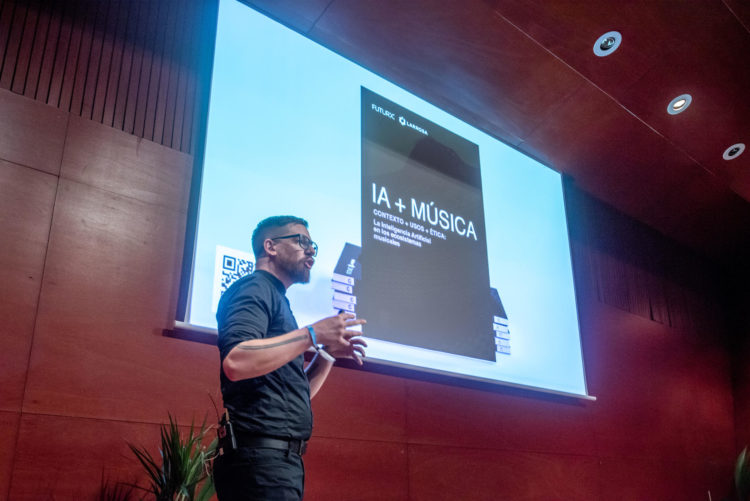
{"type": "Point", "coordinates": [276, 404]}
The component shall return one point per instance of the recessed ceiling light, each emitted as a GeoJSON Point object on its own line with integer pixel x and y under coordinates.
{"type": "Point", "coordinates": [734, 151]}
{"type": "Point", "coordinates": [607, 43]}
{"type": "Point", "coordinates": [679, 104]}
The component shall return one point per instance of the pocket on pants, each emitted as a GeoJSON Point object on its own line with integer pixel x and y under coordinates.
{"type": "Point", "coordinates": [249, 474]}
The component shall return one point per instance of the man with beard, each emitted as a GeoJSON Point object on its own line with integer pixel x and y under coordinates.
{"type": "Point", "coordinates": [266, 388]}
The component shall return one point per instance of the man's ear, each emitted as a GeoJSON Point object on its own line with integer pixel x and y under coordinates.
{"type": "Point", "coordinates": [269, 247]}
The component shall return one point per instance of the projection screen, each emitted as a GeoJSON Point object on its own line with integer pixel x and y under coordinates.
{"type": "Point", "coordinates": [453, 245]}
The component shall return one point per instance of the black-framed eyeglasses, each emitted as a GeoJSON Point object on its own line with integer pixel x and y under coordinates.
{"type": "Point", "coordinates": [303, 240]}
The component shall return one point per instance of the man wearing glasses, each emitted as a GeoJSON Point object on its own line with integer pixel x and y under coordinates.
{"type": "Point", "coordinates": [266, 388]}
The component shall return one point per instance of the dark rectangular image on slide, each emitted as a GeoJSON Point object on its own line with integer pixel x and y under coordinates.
{"type": "Point", "coordinates": [424, 272]}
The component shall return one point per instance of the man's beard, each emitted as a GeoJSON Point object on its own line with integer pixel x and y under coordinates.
{"type": "Point", "coordinates": [297, 271]}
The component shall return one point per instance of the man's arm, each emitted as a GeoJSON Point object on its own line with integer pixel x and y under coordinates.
{"type": "Point", "coordinates": [317, 372]}
{"type": "Point", "coordinates": [319, 368]}
{"type": "Point", "coordinates": [258, 357]}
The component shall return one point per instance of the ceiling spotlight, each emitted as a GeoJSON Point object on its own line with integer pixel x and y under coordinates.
{"type": "Point", "coordinates": [734, 151]}
{"type": "Point", "coordinates": [679, 104]}
{"type": "Point", "coordinates": [607, 43]}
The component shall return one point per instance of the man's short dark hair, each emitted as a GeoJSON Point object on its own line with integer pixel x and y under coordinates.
{"type": "Point", "coordinates": [266, 229]}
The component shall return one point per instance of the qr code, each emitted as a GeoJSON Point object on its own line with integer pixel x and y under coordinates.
{"type": "Point", "coordinates": [233, 268]}
{"type": "Point", "coordinates": [230, 266]}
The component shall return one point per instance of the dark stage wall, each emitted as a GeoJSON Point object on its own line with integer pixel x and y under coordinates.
{"type": "Point", "coordinates": [92, 215]}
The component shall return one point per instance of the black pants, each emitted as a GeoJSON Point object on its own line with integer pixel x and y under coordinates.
{"type": "Point", "coordinates": [256, 474]}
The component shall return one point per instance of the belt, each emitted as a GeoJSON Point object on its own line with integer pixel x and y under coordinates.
{"type": "Point", "coordinates": [254, 441]}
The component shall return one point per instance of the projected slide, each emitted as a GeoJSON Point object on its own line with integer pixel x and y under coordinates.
{"type": "Point", "coordinates": [451, 244]}
{"type": "Point", "coordinates": [425, 280]}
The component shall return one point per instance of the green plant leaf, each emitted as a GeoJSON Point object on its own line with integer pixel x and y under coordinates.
{"type": "Point", "coordinates": [179, 469]}
{"type": "Point", "coordinates": [742, 476]}
{"type": "Point", "coordinates": [115, 492]}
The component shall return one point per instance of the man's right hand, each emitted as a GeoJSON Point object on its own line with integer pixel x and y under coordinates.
{"type": "Point", "coordinates": [335, 331]}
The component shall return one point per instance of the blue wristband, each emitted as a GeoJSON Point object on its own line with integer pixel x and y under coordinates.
{"type": "Point", "coordinates": [323, 353]}
{"type": "Point", "coordinates": [312, 336]}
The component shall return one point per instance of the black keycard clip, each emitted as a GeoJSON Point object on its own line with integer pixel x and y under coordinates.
{"type": "Point", "coordinates": [227, 438]}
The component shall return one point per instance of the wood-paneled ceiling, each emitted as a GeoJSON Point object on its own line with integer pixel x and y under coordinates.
{"type": "Point", "coordinates": [525, 72]}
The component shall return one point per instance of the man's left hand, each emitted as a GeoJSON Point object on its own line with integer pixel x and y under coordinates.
{"type": "Point", "coordinates": [356, 350]}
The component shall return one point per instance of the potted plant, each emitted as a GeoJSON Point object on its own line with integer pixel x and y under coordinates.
{"type": "Point", "coordinates": [180, 473]}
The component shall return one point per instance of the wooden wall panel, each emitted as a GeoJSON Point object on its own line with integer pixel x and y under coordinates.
{"type": "Point", "coordinates": [155, 125]}
{"type": "Point", "coordinates": [126, 165]}
{"type": "Point", "coordinates": [26, 200]}
{"type": "Point", "coordinates": [109, 290]}
{"type": "Point", "coordinates": [623, 479]}
{"type": "Point", "coordinates": [122, 63]}
{"type": "Point", "coordinates": [636, 269]}
{"type": "Point", "coordinates": [379, 417]}
{"type": "Point", "coordinates": [646, 379]}
{"type": "Point", "coordinates": [62, 457]}
{"type": "Point", "coordinates": [707, 477]}
{"type": "Point", "coordinates": [488, 475]}
{"type": "Point", "coordinates": [31, 134]}
{"type": "Point", "coordinates": [147, 99]}
{"type": "Point", "coordinates": [362, 470]}
{"type": "Point", "coordinates": [126, 104]}
{"type": "Point", "coordinates": [32, 54]}
{"type": "Point", "coordinates": [46, 52]}
{"type": "Point", "coordinates": [60, 95]}
{"type": "Point", "coordinates": [460, 417]}
{"type": "Point", "coordinates": [702, 382]}
{"type": "Point", "coordinates": [173, 130]}
{"type": "Point", "coordinates": [126, 18]}
{"type": "Point", "coordinates": [107, 61]}
{"type": "Point", "coordinates": [648, 370]}
{"type": "Point", "coordinates": [8, 433]}
{"type": "Point", "coordinates": [7, 9]}
{"type": "Point", "coordinates": [14, 30]}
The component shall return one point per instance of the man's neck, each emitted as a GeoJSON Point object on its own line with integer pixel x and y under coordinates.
{"type": "Point", "coordinates": [268, 266]}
